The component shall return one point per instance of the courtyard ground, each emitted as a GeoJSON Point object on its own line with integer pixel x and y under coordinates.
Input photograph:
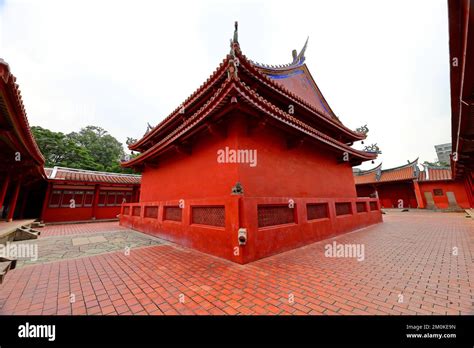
{"type": "Point", "coordinates": [414, 263]}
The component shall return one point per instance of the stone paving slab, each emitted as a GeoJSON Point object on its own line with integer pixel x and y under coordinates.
{"type": "Point", "coordinates": [415, 263]}
{"type": "Point", "coordinates": [63, 247]}
{"type": "Point", "coordinates": [81, 228]}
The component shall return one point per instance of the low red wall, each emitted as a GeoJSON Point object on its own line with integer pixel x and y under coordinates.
{"type": "Point", "coordinates": [242, 212]}
{"type": "Point", "coordinates": [79, 214]}
{"type": "Point", "coordinates": [391, 195]}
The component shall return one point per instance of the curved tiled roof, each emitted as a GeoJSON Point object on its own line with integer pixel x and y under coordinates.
{"type": "Point", "coordinates": [407, 171]}
{"type": "Point", "coordinates": [294, 98]}
{"type": "Point", "coordinates": [71, 174]}
{"type": "Point", "coordinates": [221, 97]}
{"type": "Point", "coordinates": [367, 176]}
{"type": "Point", "coordinates": [308, 97]}
{"type": "Point", "coordinates": [296, 78]}
{"type": "Point", "coordinates": [18, 117]}
{"type": "Point", "coordinates": [435, 174]}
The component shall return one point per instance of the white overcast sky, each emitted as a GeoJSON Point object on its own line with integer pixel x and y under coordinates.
{"type": "Point", "coordinates": [121, 64]}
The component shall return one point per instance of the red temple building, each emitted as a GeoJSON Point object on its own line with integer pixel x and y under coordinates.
{"type": "Point", "coordinates": [79, 195]}
{"type": "Point", "coordinates": [461, 49]}
{"type": "Point", "coordinates": [253, 163]}
{"type": "Point", "coordinates": [408, 187]}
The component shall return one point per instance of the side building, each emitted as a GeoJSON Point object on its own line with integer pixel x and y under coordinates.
{"type": "Point", "coordinates": [407, 186]}
{"type": "Point", "coordinates": [81, 195]}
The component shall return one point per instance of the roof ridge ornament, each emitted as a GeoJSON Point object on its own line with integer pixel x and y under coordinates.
{"type": "Point", "coordinates": [236, 33]}
{"type": "Point", "coordinates": [378, 173]}
{"type": "Point", "coordinates": [234, 60]}
{"type": "Point", "coordinates": [5, 70]}
{"type": "Point", "coordinates": [149, 127]}
{"type": "Point", "coordinates": [300, 58]}
{"type": "Point", "coordinates": [373, 148]}
{"type": "Point", "coordinates": [363, 130]}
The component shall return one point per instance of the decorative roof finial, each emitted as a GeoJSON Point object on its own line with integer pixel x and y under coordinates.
{"type": "Point", "coordinates": [363, 130]}
{"type": "Point", "coordinates": [234, 42]}
{"type": "Point", "coordinates": [149, 127]}
{"type": "Point", "coordinates": [300, 57]}
{"type": "Point", "coordinates": [294, 53]}
{"type": "Point", "coordinates": [236, 32]}
{"type": "Point", "coordinates": [232, 51]}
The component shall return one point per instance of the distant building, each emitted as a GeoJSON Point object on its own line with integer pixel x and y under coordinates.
{"type": "Point", "coordinates": [408, 187]}
{"type": "Point", "coordinates": [443, 151]}
{"type": "Point", "coordinates": [92, 195]}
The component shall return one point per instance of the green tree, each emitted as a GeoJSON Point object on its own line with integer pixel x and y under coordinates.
{"type": "Point", "coordinates": [91, 148]}
{"type": "Point", "coordinates": [59, 150]}
{"type": "Point", "coordinates": [105, 150]}
{"type": "Point", "coordinates": [436, 163]}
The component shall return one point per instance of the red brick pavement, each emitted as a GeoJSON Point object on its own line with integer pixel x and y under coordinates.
{"type": "Point", "coordinates": [83, 228]}
{"type": "Point", "coordinates": [410, 254]}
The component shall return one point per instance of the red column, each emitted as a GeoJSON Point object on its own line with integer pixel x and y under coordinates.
{"type": "Point", "coordinates": [24, 201]}
{"type": "Point", "coordinates": [419, 197]}
{"type": "Point", "coordinates": [14, 200]}
{"type": "Point", "coordinates": [96, 201]}
{"type": "Point", "coordinates": [46, 201]}
{"type": "Point", "coordinates": [135, 194]}
{"type": "Point", "coordinates": [3, 191]}
{"type": "Point", "coordinates": [468, 184]}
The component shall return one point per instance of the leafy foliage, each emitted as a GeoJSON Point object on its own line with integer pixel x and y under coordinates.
{"type": "Point", "coordinates": [436, 164]}
{"type": "Point", "coordinates": [91, 148]}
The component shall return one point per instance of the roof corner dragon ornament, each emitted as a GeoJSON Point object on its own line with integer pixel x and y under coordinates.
{"type": "Point", "coordinates": [363, 130]}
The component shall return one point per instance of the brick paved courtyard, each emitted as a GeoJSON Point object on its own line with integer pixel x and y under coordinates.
{"type": "Point", "coordinates": [415, 263]}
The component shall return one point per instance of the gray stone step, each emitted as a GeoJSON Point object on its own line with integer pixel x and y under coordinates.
{"type": "Point", "coordinates": [25, 233]}
{"type": "Point", "coordinates": [5, 266]}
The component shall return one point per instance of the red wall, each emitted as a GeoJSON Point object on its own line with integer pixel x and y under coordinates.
{"type": "Point", "coordinates": [390, 194]}
{"type": "Point", "coordinates": [242, 212]}
{"type": "Point", "coordinates": [79, 214]}
{"type": "Point", "coordinates": [305, 171]}
{"type": "Point", "coordinates": [198, 175]}
{"type": "Point", "coordinates": [365, 190]}
{"type": "Point", "coordinates": [441, 202]}
{"type": "Point", "coordinates": [62, 213]}
{"type": "Point", "coordinates": [308, 170]}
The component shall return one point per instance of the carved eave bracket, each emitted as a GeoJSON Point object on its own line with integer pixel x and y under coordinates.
{"type": "Point", "coordinates": [294, 142]}
{"type": "Point", "coordinates": [256, 124]}
{"type": "Point", "coordinates": [217, 130]}
{"type": "Point", "coordinates": [151, 165]}
{"type": "Point", "coordinates": [184, 149]}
